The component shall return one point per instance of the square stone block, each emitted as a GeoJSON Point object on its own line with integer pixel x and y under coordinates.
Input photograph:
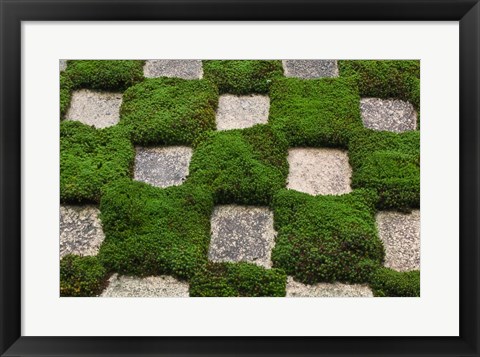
{"type": "Point", "coordinates": [400, 234]}
{"type": "Point", "coordinates": [308, 69]}
{"type": "Point", "coordinates": [63, 65]}
{"type": "Point", "coordinates": [319, 171]}
{"type": "Point", "coordinates": [238, 112]}
{"type": "Point", "coordinates": [297, 289]}
{"type": "Point", "coordinates": [100, 109]}
{"type": "Point", "coordinates": [80, 230]}
{"type": "Point", "coordinates": [151, 286]}
{"type": "Point", "coordinates": [162, 166]}
{"type": "Point", "coordinates": [186, 69]}
{"type": "Point", "coordinates": [242, 234]}
{"type": "Point", "coordinates": [388, 114]}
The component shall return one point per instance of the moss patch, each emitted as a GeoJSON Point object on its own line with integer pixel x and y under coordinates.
{"type": "Point", "coordinates": [66, 87]}
{"type": "Point", "coordinates": [152, 231]}
{"type": "Point", "coordinates": [326, 238]}
{"type": "Point", "coordinates": [111, 75]}
{"type": "Point", "coordinates": [390, 164]}
{"type": "Point", "coordinates": [89, 158]}
{"type": "Point", "coordinates": [81, 276]}
{"type": "Point", "coordinates": [169, 110]}
{"type": "Point", "coordinates": [242, 77]}
{"type": "Point", "coordinates": [388, 282]}
{"type": "Point", "coordinates": [241, 166]}
{"type": "Point", "coordinates": [320, 112]}
{"type": "Point", "coordinates": [238, 279]}
{"type": "Point", "coordinates": [386, 79]}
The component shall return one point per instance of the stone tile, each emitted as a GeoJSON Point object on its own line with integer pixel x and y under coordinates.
{"type": "Point", "coordinates": [186, 69]}
{"type": "Point", "coordinates": [100, 109]}
{"type": "Point", "coordinates": [319, 171]}
{"type": "Point", "coordinates": [80, 230]}
{"type": "Point", "coordinates": [238, 112]}
{"type": "Point", "coordinates": [388, 114]}
{"type": "Point", "coordinates": [63, 65]}
{"type": "Point", "coordinates": [152, 286]}
{"type": "Point", "coordinates": [242, 234]}
{"type": "Point", "coordinates": [296, 289]}
{"type": "Point", "coordinates": [162, 166]}
{"type": "Point", "coordinates": [400, 234]}
{"type": "Point", "coordinates": [308, 69]}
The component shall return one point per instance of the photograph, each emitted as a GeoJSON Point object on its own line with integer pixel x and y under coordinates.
{"type": "Point", "coordinates": [239, 178]}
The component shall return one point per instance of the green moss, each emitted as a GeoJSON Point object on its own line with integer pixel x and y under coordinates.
{"type": "Point", "coordinates": [89, 158]}
{"type": "Point", "coordinates": [114, 75]}
{"type": "Point", "coordinates": [241, 166]}
{"type": "Point", "coordinates": [326, 238]}
{"type": "Point", "coordinates": [152, 231]}
{"type": "Point", "coordinates": [388, 282]}
{"type": "Point", "coordinates": [390, 164]}
{"type": "Point", "coordinates": [386, 79]}
{"type": "Point", "coordinates": [320, 112]}
{"type": "Point", "coordinates": [242, 77]}
{"type": "Point", "coordinates": [66, 87]}
{"type": "Point", "coordinates": [169, 110]}
{"type": "Point", "coordinates": [238, 279]}
{"type": "Point", "coordinates": [81, 276]}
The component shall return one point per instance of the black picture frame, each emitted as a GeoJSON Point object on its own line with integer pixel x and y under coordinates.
{"type": "Point", "coordinates": [467, 12]}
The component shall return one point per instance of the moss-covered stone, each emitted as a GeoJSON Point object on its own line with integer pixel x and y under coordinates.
{"type": "Point", "coordinates": [112, 75]}
{"type": "Point", "coordinates": [242, 76]}
{"type": "Point", "coordinates": [66, 87]}
{"type": "Point", "coordinates": [90, 158]}
{"type": "Point", "coordinates": [81, 276]}
{"type": "Point", "coordinates": [319, 112]}
{"type": "Point", "coordinates": [388, 282]}
{"type": "Point", "coordinates": [241, 166]}
{"type": "Point", "coordinates": [326, 238]}
{"type": "Point", "coordinates": [390, 164]}
{"type": "Point", "coordinates": [152, 231]}
{"type": "Point", "coordinates": [169, 110]}
{"type": "Point", "coordinates": [385, 79]}
{"type": "Point", "coordinates": [238, 280]}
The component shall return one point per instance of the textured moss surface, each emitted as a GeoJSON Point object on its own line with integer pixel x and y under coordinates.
{"type": "Point", "coordinates": [385, 79]}
{"type": "Point", "coordinates": [326, 238]}
{"type": "Point", "coordinates": [90, 158]}
{"type": "Point", "coordinates": [112, 75]}
{"type": "Point", "coordinates": [169, 110]}
{"type": "Point", "coordinates": [242, 77]}
{"type": "Point", "coordinates": [241, 166]}
{"type": "Point", "coordinates": [238, 279]}
{"type": "Point", "coordinates": [390, 164]}
{"type": "Point", "coordinates": [152, 231]}
{"type": "Point", "coordinates": [320, 112]}
{"type": "Point", "coordinates": [81, 276]}
{"type": "Point", "coordinates": [388, 282]}
{"type": "Point", "coordinates": [66, 87]}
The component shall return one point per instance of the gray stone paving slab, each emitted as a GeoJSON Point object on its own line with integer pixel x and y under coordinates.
{"type": "Point", "coordinates": [400, 234]}
{"type": "Point", "coordinates": [388, 114]}
{"type": "Point", "coordinates": [238, 112]}
{"type": "Point", "coordinates": [100, 109]}
{"type": "Point", "coordinates": [152, 286]}
{"type": "Point", "coordinates": [162, 166]}
{"type": "Point", "coordinates": [63, 65]}
{"type": "Point", "coordinates": [242, 234]}
{"type": "Point", "coordinates": [297, 289]}
{"type": "Point", "coordinates": [308, 69]}
{"type": "Point", "coordinates": [186, 69]}
{"type": "Point", "coordinates": [319, 171]}
{"type": "Point", "coordinates": [80, 230]}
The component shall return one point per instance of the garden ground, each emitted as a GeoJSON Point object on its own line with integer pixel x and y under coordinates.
{"type": "Point", "coordinates": [240, 178]}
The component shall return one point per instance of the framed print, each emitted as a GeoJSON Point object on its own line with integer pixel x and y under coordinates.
{"type": "Point", "coordinates": [239, 178]}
